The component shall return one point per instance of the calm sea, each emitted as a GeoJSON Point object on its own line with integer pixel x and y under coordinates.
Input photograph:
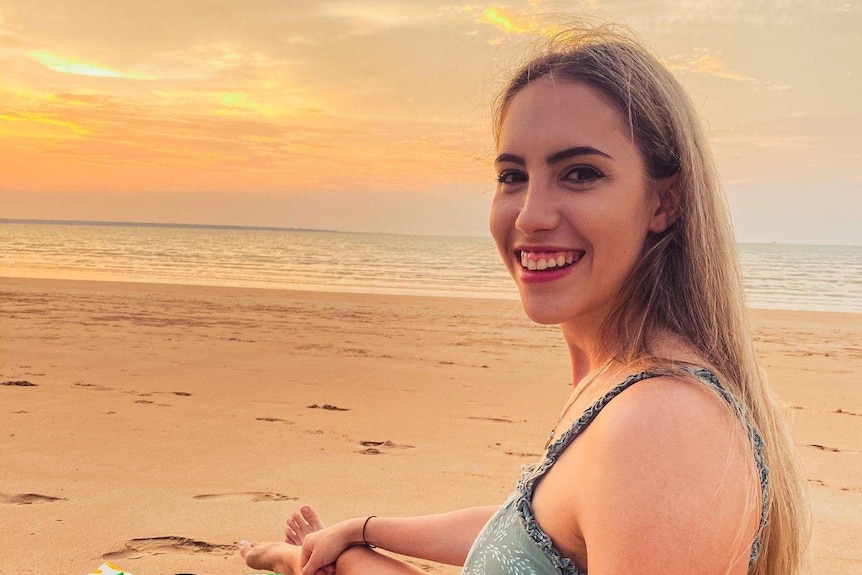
{"type": "Point", "coordinates": [777, 276]}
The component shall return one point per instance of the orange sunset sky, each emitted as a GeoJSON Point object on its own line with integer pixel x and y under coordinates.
{"type": "Point", "coordinates": [375, 116]}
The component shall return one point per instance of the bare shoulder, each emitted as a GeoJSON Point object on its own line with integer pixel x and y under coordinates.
{"type": "Point", "coordinates": [668, 405]}
{"type": "Point", "coordinates": [671, 474]}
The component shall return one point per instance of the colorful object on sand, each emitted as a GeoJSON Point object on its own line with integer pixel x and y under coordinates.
{"type": "Point", "coordinates": [108, 569]}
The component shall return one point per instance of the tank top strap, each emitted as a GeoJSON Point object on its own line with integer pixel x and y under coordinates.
{"type": "Point", "coordinates": [556, 448]}
{"type": "Point", "coordinates": [757, 445]}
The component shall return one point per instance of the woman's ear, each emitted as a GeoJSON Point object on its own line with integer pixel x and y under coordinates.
{"type": "Point", "coordinates": [667, 210]}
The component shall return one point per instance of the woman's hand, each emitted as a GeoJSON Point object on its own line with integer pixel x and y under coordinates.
{"type": "Point", "coordinates": [322, 548]}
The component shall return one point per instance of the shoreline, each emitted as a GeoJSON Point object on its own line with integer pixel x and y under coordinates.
{"type": "Point", "coordinates": [144, 284]}
{"type": "Point", "coordinates": [167, 422]}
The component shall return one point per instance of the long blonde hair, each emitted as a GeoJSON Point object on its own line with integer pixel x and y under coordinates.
{"type": "Point", "coordinates": [688, 280]}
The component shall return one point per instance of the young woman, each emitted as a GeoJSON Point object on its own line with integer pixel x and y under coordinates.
{"type": "Point", "coordinates": [670, 456]}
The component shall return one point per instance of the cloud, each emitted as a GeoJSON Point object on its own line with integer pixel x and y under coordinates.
{"type": "Point", "coordinates": [66, 66]}
{"type": "Point", "coordinates": [377, 16]}
{"type": "Point", "coordinates": [239, 101]}
{"type": "Point", "coordinates": [711, 64]}
{"type": "Point", "coordinates": [360, 19]}
{"type": "Point", "coordinates": [493, 17]}
{"type": "Point", "coordinates": [34, 125]}
{"type": "Point", "coordinates": [706, 64]}
{"type": "Point", "coordinates": [511, 22]}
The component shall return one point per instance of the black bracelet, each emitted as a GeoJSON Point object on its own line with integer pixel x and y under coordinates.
{"type": "Point", "coordinates": [364, 540]}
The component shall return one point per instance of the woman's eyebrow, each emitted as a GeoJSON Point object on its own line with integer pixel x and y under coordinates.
{"type": "Point", "coordinates": [572, 152]}
{"type": "Point", "coordinates": [556, 156]}
{"type": "Point", "coordinates": [510, 159]}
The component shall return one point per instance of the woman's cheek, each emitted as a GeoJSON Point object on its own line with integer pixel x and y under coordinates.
{"type": "Point", "coordinates": [504, 213]}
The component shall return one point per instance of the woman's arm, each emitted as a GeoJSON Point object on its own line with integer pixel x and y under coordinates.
{"type": "Point", "coordinates": [673, 488]}
{"type": "Point", "coordinates": [444, 538]}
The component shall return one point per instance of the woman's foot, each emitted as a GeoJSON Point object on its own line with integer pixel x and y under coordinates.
{"type": "Point", "coordinates": [301, 524]}
{"type": "Point", "coordinates": [275, 557]}
{"type": "Point", "coordinates": [283, 557]}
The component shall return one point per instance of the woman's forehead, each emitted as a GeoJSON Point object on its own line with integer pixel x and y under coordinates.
{"type": "Point", "coordinates": [550, 112]}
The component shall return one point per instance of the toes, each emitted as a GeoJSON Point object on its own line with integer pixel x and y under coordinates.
{"type": "Point", "coordinates": [291, 536]}
{"type": "Point", "coordinates": [310, 516]}
{"type": "Point", "coordinates": [245, 548]}
{"type": "Point", "coordinates": [298, 524]}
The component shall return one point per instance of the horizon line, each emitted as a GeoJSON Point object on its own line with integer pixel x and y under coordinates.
{"type": "Point", "coordinates": [131, 224]}
{"type": "Point", "coordinates": [160, 225]}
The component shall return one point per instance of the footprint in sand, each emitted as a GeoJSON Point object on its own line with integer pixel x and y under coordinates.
{"type": "Point", "coordinates": [254, 495]}
{"type": "Point", "coordinates": [327, 407]}
{"type": "Point", "coordinates": [371, 447]}
{"type": "Point", "coordinates": [28, 499]}
{"type": "Point", "coordinates": [93, 386]}
{"type": "Point", "coordinates": [824, 447]}
{"type": "Point", "coordinates": [21, 383]}
{"type": "Point", "coordinates": [148, 402]}
{"type": "Point", "coordinates": [137, 548]}
{"type": "Point", "coordinates": [493, 419]}
{"type": "Point", "coordinates": [274, 420]}
{"type": "Point", "coordinates": [312, 347]}
{"type": "Point", "coordinates": [521, 453]}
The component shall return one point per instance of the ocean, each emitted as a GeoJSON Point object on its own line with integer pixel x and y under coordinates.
{"type": "Point", "coordinates": [776, 276]}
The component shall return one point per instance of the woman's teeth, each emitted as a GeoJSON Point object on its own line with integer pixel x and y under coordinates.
{"type": "Point", "coordinates": [548, 260]}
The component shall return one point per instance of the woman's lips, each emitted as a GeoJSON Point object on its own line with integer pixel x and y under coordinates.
{"type": "Point", "coordinates": [540, 265]}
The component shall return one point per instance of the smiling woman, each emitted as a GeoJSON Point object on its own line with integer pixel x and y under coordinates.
{"type": "Point", "coordinates": [571, 181]}
{"type": "Point", "coordinates": [670, 455]}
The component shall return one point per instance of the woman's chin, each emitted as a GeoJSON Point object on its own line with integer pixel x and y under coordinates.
{"type": "Point", "coordinates": [542, 314]}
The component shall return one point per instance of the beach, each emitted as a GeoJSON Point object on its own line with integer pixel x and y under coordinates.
{"type": "Point", "coordinates": [155, 426]}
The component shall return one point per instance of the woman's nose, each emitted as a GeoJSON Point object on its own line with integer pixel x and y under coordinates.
{"type": "Point", "coordinates": [538, 212]}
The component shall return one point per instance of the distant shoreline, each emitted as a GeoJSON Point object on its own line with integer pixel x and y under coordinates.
{"type": "Point", "coordinates": [291, 229]}
{"type": "Point", "coordinates": [162, 225]}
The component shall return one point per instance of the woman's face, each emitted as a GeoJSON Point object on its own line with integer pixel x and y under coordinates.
{"type": "Point", "coordinates": [573, 205]}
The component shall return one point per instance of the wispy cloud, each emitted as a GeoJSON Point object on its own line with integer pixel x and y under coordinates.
{"type": "Point", "coordinates": [706, 63]}
{"type": "Point", "coordinates": [711, 64]}
{"type": "Point", "coordinates": [507, 24]}
{"type": "Point", "coordinates": [39, 126]}
{"type": "Point", "coordinates": [510, 21]}
{"type": "Point", "coordinates": [68, 66]}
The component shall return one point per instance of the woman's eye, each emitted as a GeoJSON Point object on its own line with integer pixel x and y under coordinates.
{"type": "Point", "coordinates": [511, 177]}
{"type": "Point", "coordinates": [583, 174]}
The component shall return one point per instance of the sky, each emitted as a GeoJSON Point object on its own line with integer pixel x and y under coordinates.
{"type": "Point", "coordinates": [376, 116]}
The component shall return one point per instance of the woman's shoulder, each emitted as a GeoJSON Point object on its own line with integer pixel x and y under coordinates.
{"type": "Point", "coordinates": [671, 467]}
{"type": "Point", "coordinates": [667, 413]}
{"type": "Point", "coordinates": [665, 409]}
{"type": "Point", "coordinates": [651, 393]}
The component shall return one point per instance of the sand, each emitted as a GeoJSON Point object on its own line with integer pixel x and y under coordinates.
{"type": "Point", "coordinates": [158, 425]}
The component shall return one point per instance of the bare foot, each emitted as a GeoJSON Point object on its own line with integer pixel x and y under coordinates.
{"type": "Point", "coordinates": [301, 524]}
{"type": "Point", "coordinates": [283, 557]}
{"type": "Point", "coordinates": [275, 557]}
